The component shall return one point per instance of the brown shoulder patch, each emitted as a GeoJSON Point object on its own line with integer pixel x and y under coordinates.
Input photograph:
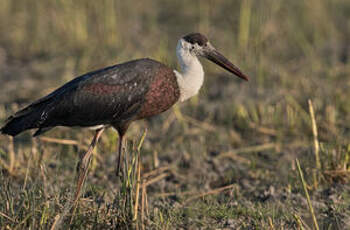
{"type": "Point", "coordinates": [162, 94]}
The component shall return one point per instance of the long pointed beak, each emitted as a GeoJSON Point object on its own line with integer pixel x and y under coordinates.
{"type": "Point", "coordinates": [214, 56]}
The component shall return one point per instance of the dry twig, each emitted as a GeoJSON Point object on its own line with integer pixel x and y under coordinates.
{"type": "Point", "coordinates": [212, 192]}
{"type": "Point", "coordinates": [59, 141]}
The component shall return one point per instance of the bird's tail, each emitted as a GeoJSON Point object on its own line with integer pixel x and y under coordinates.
{"type": "Point", "coordinates": [27, 118]}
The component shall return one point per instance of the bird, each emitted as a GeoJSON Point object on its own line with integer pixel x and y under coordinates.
{"type": "Point", "coordinates": [120, 94]}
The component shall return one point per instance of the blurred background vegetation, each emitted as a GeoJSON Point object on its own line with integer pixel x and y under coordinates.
{"type": "Point", "coordinates": [245, 134]}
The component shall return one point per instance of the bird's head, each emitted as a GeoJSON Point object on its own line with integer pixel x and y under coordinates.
{"type": "Point", "coordinates": [197, 45]}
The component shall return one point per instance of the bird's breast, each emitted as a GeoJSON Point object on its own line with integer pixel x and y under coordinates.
{"type": "Point", "coordinates": [162, 94]}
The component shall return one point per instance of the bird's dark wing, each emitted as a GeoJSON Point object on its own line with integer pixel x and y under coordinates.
{"type": "Point", "coordinates": [69, 86]}
{"type": "Point", "coordinates": [106, 96]}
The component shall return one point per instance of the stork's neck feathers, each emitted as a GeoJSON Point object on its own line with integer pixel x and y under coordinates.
{"type": "Point", "coordinates": [191, 78]}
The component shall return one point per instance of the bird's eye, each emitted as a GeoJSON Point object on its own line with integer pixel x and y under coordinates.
{"type": "Point", "coordinates": [192, 48]}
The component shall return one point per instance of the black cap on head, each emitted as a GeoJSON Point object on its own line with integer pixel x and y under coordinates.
{"type": "Point", "coordinates": [212, 54]}
{"type": "Point", "coordinates": [198, 38]}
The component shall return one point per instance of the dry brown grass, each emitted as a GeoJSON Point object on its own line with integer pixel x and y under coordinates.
{"type": "Point", "coordinates": [224, 159]}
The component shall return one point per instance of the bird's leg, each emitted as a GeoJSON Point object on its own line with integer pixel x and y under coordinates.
{"type": "Point", "coordinates": [84, 163]}
{"type": "Point", "coordinates": [120, 152]}
{"type": "Point", "coordinates": [121, 128]}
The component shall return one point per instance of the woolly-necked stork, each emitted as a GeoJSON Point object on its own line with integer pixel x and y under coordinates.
{"type": "Point", "coordinates": [120, 94]}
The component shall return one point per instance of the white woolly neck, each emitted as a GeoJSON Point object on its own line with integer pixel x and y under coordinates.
{"type": "Point", "coordinates": [191, 78]}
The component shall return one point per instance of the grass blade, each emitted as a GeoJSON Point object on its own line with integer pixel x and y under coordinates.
{"type": "Point", "coordinates": [311, 209]}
